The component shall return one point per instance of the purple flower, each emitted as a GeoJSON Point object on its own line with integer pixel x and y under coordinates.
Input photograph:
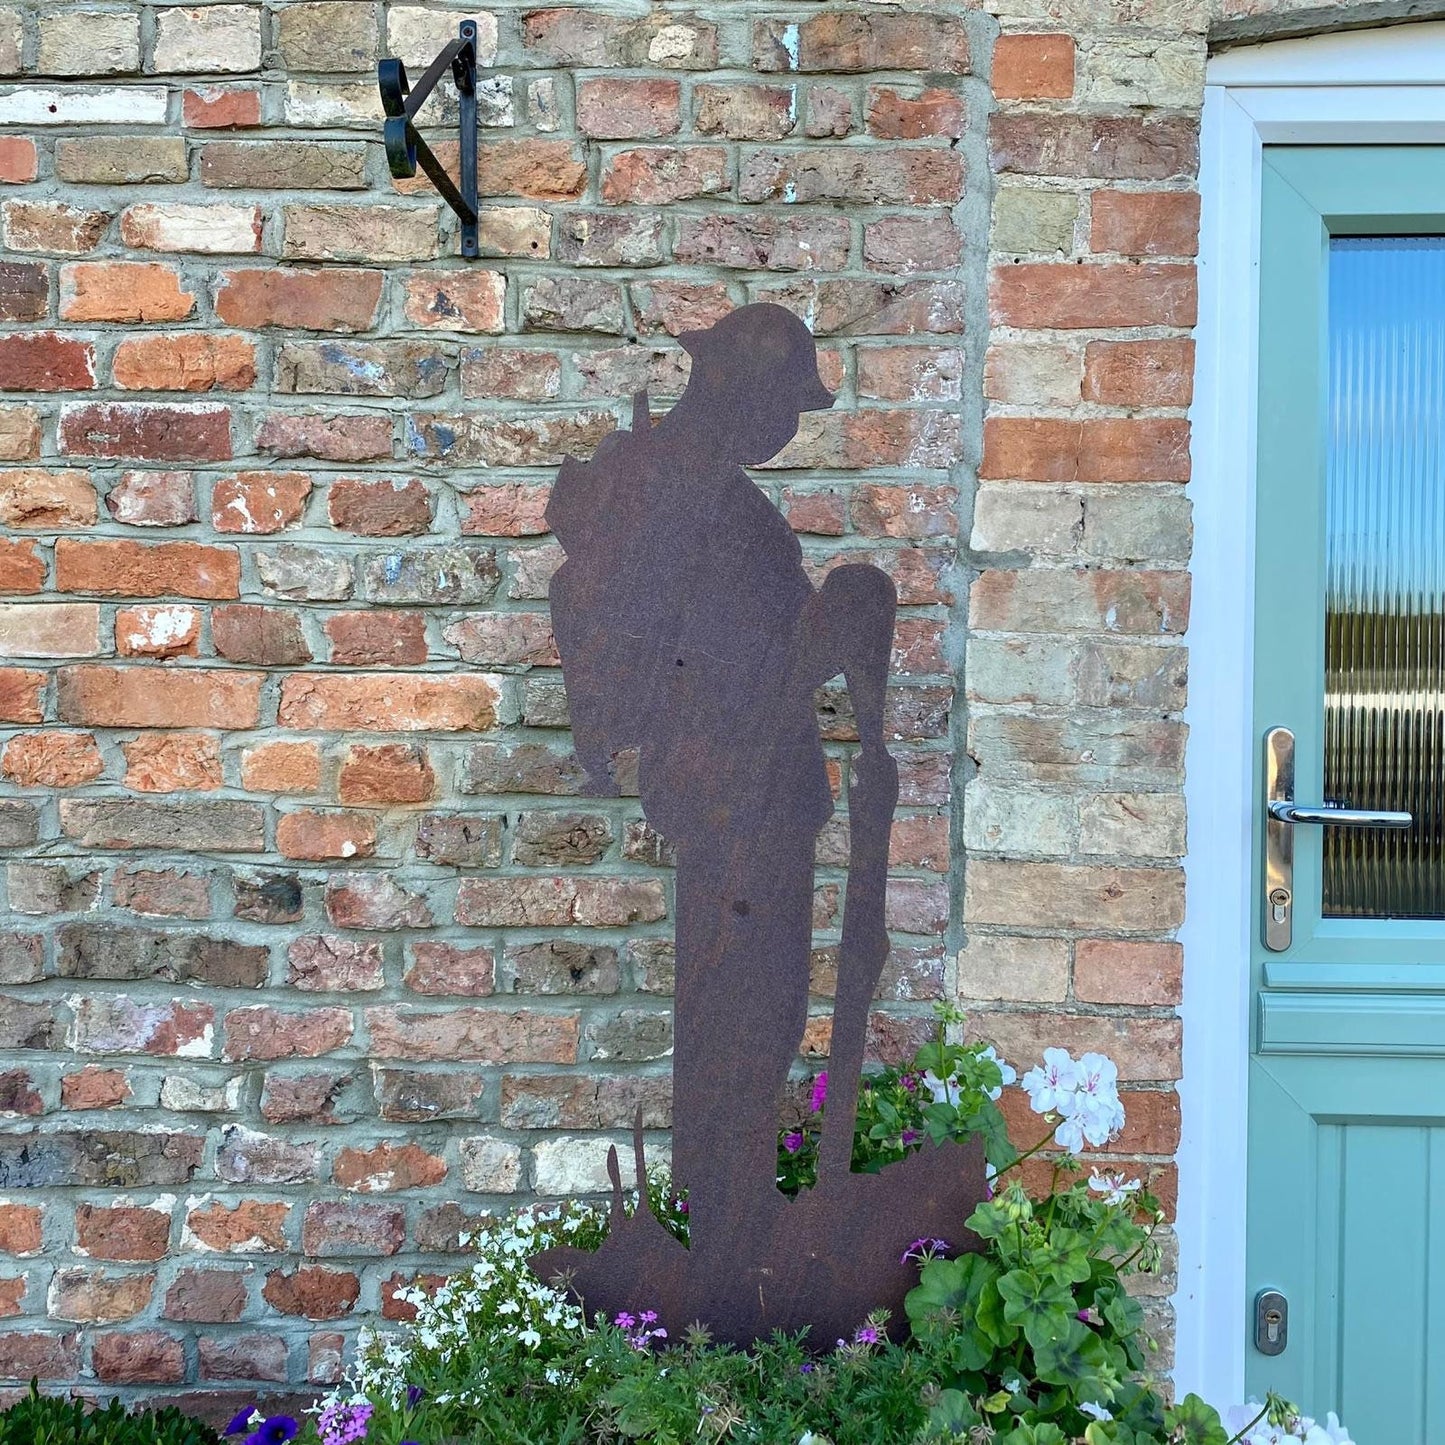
{"type": "Point", "coordinates": [820, 1092]}
{"type": "Point", "coordinates": [275, 1430]}
{"type": "Point", "coordinates": [342, 1424]}
{"type": "Point", "coordinates": [413, 1395]}
{"type": "Point", "coordinates": [866, 1335]}
{"type": "Point", "coordinates": [922, 1250]}
{"type": "Point", "coordinates": [909, 1136]}
{"type": "Point", "coordinates": [793, 1141]}
{"type": "Point", "coordinates": [807, 1367]}
{"type": "Point", "coordinates": [625, 1321]}
{"type": "Point", "coordinates": [240, 1421]}
{"type": "Point", "coordinates": [909, 1082]}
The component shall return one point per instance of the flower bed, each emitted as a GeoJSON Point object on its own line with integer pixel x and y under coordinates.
{"type": "Point", "coordinates": [1030, 1338]}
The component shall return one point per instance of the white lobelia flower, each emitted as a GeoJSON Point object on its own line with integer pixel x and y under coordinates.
{"type": "Point", "coordinates": [1007, 1073]}
{"type": "Point", "coordinates": [1051, 1084]}
{"type": "Point", "coordinates": [943, 1090]}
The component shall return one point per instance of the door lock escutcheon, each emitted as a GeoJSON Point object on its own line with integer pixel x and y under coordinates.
{"type": "Point", "coordinates": [1281, 814]}
{"type": "Point", "coordinates": [1271, 1322]}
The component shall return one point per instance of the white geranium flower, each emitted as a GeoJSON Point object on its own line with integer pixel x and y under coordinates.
{"type": "Point", "coordinates": [1007, 1072]}
{"type": "Point", "coordinates": [1113, 1187]}
{"type": "Point", "coordinates": [1053, 1083]}
{"type": "Point", "coordinates": [943, 1090]}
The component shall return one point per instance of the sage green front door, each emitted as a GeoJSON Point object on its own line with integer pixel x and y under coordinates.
{"type": "Point", "coordinates": [1346, 1187]}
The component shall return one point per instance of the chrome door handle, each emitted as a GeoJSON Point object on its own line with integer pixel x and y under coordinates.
{"type": "Point", "coordinates": [1336, 816]}
{"type": "Point", "coordinates": [1281, 813]}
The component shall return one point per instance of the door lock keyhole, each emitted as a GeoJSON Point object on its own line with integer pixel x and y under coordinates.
{"type": "Point", "coordinates": [1279, 901]}
{"type": "Point", "coordinates": [1271, 1322]}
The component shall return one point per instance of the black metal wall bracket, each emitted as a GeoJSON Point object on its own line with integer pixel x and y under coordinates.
{"type": "Point", "coordinates": [405, 148]}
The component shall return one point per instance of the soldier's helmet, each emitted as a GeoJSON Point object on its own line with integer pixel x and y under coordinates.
{"type": "Point", "coordinates": [759, 351]}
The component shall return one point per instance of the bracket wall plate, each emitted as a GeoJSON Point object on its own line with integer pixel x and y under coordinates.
{"type": "Point", "coordinates": [406, 149]}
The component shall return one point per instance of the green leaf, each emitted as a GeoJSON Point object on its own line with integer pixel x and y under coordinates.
{"type": "Point", "coordinates": [1034, 1302]}
{"type": "Point", "coordinates": [1192, 1422]}
{"type": "Point", "coordinates": [952, 1414]}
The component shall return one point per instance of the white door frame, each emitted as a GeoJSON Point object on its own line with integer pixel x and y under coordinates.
{"type": "Point", "coordinates": [1357, 87]}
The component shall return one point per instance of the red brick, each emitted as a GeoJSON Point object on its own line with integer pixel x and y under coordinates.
{"type": "Point", "coordinates": [44, 1355]}
{"type": "Point", "coordinates": [1042, 449]}
{"type": "Point", "coordinates": [315, 837]}
{"type": "Point", "coordinates": [379, 508]}
{"type": "Point", "coordinates": [1140, 373]}
{"type": "Point", "coordinates": [347, 1227]}
{"type": "Point", "coordinates": [471, 301]}
{"type": "Point", "coordinates": [22, 568]}
{"type": "Point", "coordinates": [46, 361]}
{"type": "Point", "coordinates": [210, 1296]}
{"type": "Point", "coordinates": [51, 500]}
{"type": "Point", "coordinates": [1145, 223]}
{"type": "Point", "coordinates": [250, 1226]}
{"type": "Point", "coordinates": [1046, 294]}
{"type": "Point", "coordinates": [24, 290]}
{"type": "Point", "coordinates": [336, 437]}
{"type": "Point", "coordinates": [93, 1297]}
{"type": "Point", "coordinates": [509, 510]}
{"type": "Point", "coordinates": [262, 1032]}
{"type": "Point", "coordinates": [153, 499]}
{"type": "Point", "coordinates": [49, 629]}
{"type": "Point", "coordinates": [336, 299]}
{"type": "Point", "coordinates": [508, 371]}
{"type": "Point", "coordinates": [282, 767]}
{"type": "Point", "coordinates": [1119, 971]}
{"type": "Point", "coordinates": [559, 902]}
{"type": "Point", "coordinates": [147, 569]}
{"type": "Point", "coordinates": [52, 760]}
{"type": "Point", "coordinates": [220, 107]}
{"type": "Point", "coordinates": [139, 1357]}
{"type": "Point", "coordinates": [259, 502]}
{"type": "Point", "coordinates": [12, 1295]}
{"type": "Point", "coordinates": [1033, 67]}
{"type": "Point", "coordinates": [146, 431]}
{"type": "Point", "coordinates": [192, 361]}
{"type": "Point", "coordinates": [388, 1167]}
{"type": "Point", "coordinates": [892, 116]}
{"type": "Point", "coordinates": [123, 291]}
{"type": "Point", "coordinates": [243, 1357]}
{"type": "Point", "coordinates": [20, 1228]}
{"type": "Point", "coordinates": [846, 40]}
{"type": "Point", "coordinates": [53, 226]}
{"type": "Point", "coordinates": [162, 631]}
{"type": "Point", "coordinates": [386, 775]}
{"type": "Point", "coordinates": [18, 162]}
{"type": "Point", "coordinates": [312, 1292]}
{"type": "Point", "coordinates": [261, 636]}
{"type": "Point", "coordinates": [446, 968]}
{"type": "Point", "coordinates": [94, 1088]}
{"type": "Point", "coordinates": [1109, 147]}
{"type": "Point", "coordinates": [390, 702]}
{"type": "Point", "coordinates": [102, 696]}
{"type": "Point", "coordinates": [172, 763]}
{"type": "Point", "coordinates": [377, 639]}
{"type": "Point", "coordinates": [546, 170]}
{"type": "Point", "coordinates": [122, 1232]}
{"type": "Point", "coordinates": [323, 963]}
{"type": "Point", "coordinates": [480, 1035]}
{"type": "Point", "coordinates": [374, 901]}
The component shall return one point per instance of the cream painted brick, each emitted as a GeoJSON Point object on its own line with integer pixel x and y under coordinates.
{"type": "Point", "coordinates": [1029, 222]}
{"type": "Point", "coordinates": [89, 42]}
{"type": "Point", "coordinates": [491, 1166]}
{"type": "Point", "coordinates": [208, 39]}
{"type": "Point", "coordinates": [1021, 670]}
{"type": "Point", "coordinates": [1132, 825]}
{"type": "Point", "coordinates": [417, 34]}
{"type": "Point", "coordinates": [1023, 517]}
{"type": "Point", "coordinates": [93, 105]}
{"type": "Point", "coordinates": [572, 1165]}
{"type": "Point", "coordinates": [314, 103]}
{"type": "Point", "coordinates": [360, 233]}
{"type": "Point", "coordinates": [208, 230]}
{"type": "Point", "coordinates": [204, 1096]}
{"type": "Point", "coordinates": [1127, 69]}
{"type": "Point", "coordinates": [1028, 374]}
{"type": "Point", "coordinates": [1003, 967]}
{"type": "Point", "coordinates": [1016, 820]}
{"type": "Point", "coordinates": [49, 629]}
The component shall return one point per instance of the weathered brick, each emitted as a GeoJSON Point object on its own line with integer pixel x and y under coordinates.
{"type": "Point", "coordinates": [460, 841]}
{"type": "Point", "coordinates": [763, 242]}
{"type": "Point", "coordinates": [416, 1096]}
{"type": "Point", "coordinates": [849, 41]}
{"type": "Point", "coordinates": [387, 774]}
{"type": "Point", "coordinates": [138, 1357]}
{"type": "Point", "coordinates": [372, 639]}
{"type": "Point", "coordinates": [146, 431]}
{"type": "Point", "coordinates": [18, 160]}
{"type": "Point", "coordinates": [316, 836]}
{"type": "Point", "coordinates": [283, 165]}
{"type": "Point", "coordinates": [40, 1354]}
{"type": "Point", "coordinates": [264, 1032]}
{"type": "Point", "coordinates": [52, 760]}
{"type": "Point", "coordinates": [95, 1088]}
{"type": "Point", "coordinates": [119, 291]}
{"type": "Point", "coordinates": [882, 176]}
{"type": "Point", "coordinates": [1147, 148]}
{"type": "Point", "coordinates": [304, 573]}
{"type": "Point", "coordinates": [933, 112]}
{"type": "Point", "coordinates": [52, 226]}
{"type": "Point", "coordinates": [616, 238]}
{"type": "Point", "coordinates": [491, 1166]}
{"type": "Point", "coordinates": [347, 1228]}
{"type": "Point", "coordinates": [204, 229]}
{"type": "Point", "coordinates": [22, 567]}
{"type": "Point", "coordinates": [172, 762]}
{"type": "Point", "coordinates": [525, 375]}
{"type": "Point", "coordinates": [187, 362]}
{"type": "Point", "coordinates": [660, 175]}
{"type": "Point", "coordinates": [112, 160]}
{"type": "Point", "coordinates": [243, 1357]}
{"type": "Point", "coordinates": [334, 437]}
{"type": "Point", "coordinates": [385, 1168]}
{"type": "Point", "coordinates": [49, 629]}
{"type": "Point", "coordinates": [322, 232]}
{"type": "Point", "coordinates": [162, 893]}
{"type": "Point", "coordinates": [103, 951]}
{"type": "Point", "coordinates": [153, 499]}
{"type": "Point", "coordinates": [310, 300]}
{"type": "Point", "coordinates": [221, 107]}
{"type": "Point", "coordinates": [388, 702]}
{"type": "Point", "coordinates": [1033, 67]}
{"type": "Point", "coordinates": [472, 1034]}
{"type": "Point", "coordinates": [24, 290]}
{"type": "Point", "coordinates": [1145, 223]}
{"type": "Point", "coordinates": [281, 767]}
{"type": "Point", "coordinates": [312, 1293]}
{"type": "Point", "coordinates": [100, 695]}
{"type": "Point", "coordinates": [1139, 373]}
{"type": "Point", "coordinates": [318, 37]}
{"type": "Point", "coordinates": [1047, 449]}
{"type": "Point", "coordinates": [559, 902]}
{"type": "Point", "coordinates": [207, 38]}
{"type": "Point", "coordinates": [609, 109]}
{"type": "Point", "coordinates": [577, 36]}
{"type": "Point", "coordinates": [316, 1097]}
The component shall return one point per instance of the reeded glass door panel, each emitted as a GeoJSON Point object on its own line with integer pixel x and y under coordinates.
{"type": "Point", "coordinates": [1385, 573]}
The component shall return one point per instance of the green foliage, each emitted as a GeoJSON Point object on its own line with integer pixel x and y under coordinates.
{"type": "Point", "coordinates": [54, 1420]}
{"type": "Point", "coordinates": [946, 1092]}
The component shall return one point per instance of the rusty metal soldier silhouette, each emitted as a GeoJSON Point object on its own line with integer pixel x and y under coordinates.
{"type": "Point", "coordinates": [690, 631]}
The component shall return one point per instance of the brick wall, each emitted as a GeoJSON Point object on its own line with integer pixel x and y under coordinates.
{"type": "Point", "coordinates": [311, 953]}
